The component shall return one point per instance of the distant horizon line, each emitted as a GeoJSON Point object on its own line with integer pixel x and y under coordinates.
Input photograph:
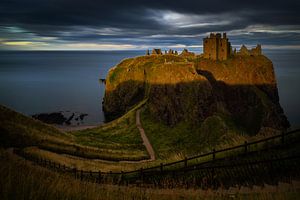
{"type": "Point", "coordinates": [107, 50]}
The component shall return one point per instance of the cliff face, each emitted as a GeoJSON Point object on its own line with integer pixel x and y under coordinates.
{"type": "Point", "coordinates": [181, 89]}
{"type": "Point", "coordinates": [247, 87]}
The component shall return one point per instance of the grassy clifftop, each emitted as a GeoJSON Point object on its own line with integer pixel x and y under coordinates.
{"type": "Point", "coordinates": [193, 89]}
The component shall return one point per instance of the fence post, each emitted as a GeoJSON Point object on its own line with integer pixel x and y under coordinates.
{"type": "Point", "coordinates": [122, 176]}
{"type": "Point", "coordinates": [185, 162]}
{"type": "Point", "coordinates": [282, 137]}
{"type": "Point", "coordinates": [91, 173]}
{"type": "Point", "coordinates": [214, 154]}
{"type": "Point", "coordinates": [161, 167]}
{"type": "Point", "coordinates": [58, 165]}
{"type": "Point", "coordinates": [75, 172]}
{"type": "Point", "coordinates": [213, 174]}
{"type": "Point", "coordinates": [141, 174]}
{"type": "Point", "coordinates": [246, 146]}
{"type": "Point", "coordinates": [99, 176]}
{"type": "Point", "coordinates": [81, 175]}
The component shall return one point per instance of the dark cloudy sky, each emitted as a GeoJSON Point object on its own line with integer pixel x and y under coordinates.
{"type": "Point", "coordinates": [140, 24]}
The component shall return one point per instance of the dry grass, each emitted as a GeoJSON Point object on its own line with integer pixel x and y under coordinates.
{"type": "Point", "coordinates": [22, 180]}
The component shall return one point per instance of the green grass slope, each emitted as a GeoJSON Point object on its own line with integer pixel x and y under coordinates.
{"type": "Point", "coordinates": [118, 140]}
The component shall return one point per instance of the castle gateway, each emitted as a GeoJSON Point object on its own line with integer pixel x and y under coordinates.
{"type": "Point", "coordinates": [216, 48]}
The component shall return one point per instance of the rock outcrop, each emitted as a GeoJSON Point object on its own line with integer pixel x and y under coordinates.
{"type": "Point", "coordinates": [194, 89]}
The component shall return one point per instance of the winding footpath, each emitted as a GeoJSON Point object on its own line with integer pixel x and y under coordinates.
{"type": "Point", "coordinates": [145, 139]}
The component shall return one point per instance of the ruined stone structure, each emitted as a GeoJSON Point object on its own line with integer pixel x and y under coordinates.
{"type": "Point", "coordinates": [170, 51]}
{"type": "Point", "coordinates": [156, 52]}
{"type": "Point", "coordinates": [216, 47]}
{"type": "Point", "coordinates": [147, 52]}
{"type": "Point", "coordinates": [250, 52]}
{"type": "Point", "coordinates": [186, 52]}
{"type": "Point", "coordinates": [160, 52]}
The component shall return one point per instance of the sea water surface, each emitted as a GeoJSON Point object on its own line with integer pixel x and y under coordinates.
{"type": "Point", "coordinates": [49, 81]}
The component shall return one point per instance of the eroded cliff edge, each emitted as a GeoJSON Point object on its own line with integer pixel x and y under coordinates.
{"type": "Point", "coordinates": [242, 90]}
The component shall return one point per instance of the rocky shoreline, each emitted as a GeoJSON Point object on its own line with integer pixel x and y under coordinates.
{"type": "Point", "coordinates": [62, 118]}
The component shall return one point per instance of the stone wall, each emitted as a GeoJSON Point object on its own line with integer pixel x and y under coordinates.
{"type": "Point", "coordinates": [216, 47]}
{"type": "Point", "coordinates": [250, 52]}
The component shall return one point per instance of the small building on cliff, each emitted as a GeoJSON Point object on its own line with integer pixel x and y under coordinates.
{"type": "Point", "coordinates": [250, 52]}
{"type": "Point", "coordinates": [186, 52]}
{"type": "Point", "coordinates": [216, 47]}
{"type": "Point", "coordinates": [156, 52]}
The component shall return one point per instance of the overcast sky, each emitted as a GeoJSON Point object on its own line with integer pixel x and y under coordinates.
{"type": "Point", "coordinates": [139, 24]}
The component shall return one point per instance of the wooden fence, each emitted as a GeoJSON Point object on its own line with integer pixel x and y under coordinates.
{"type": "Point", "coordinates": [229, 165]}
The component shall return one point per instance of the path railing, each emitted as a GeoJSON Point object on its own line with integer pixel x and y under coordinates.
{"type": "Point", "coordinates": [210, 161]}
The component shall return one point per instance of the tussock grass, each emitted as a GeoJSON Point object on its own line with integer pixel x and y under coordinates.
{"type": "Point", "coordinates": [22, 180]}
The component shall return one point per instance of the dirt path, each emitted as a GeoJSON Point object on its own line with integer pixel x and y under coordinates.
{"type": "Point", "coordinates": [145, 139]}
{"type": "Point", "coordinates": [75, 128]}
{"type": "Point", "coordinates": [144, 136]}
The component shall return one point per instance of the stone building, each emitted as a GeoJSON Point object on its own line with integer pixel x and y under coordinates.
{"type": "Point", "coordinates": [171, 51]}
{"type": "Point", "coordinates": [250, 52]}
{"type": "Point", "coordinates": [147, 52]}
{"type": "Point", "coordinates": [186, 52]}
{"type": "Point", "coordinates": [156, 52]}
{"type": "Point", "coordinates": [216, 47]}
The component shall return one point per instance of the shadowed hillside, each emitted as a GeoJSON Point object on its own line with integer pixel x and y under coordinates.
{"type": "Point", "coordinates": [193, 90]}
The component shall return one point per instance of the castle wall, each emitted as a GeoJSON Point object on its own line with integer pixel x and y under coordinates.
{"type": "Point", "coordinates": [223, 52]}
{"type": "Point", "coordinates": [250, 52]}
{"type": "Point", "coordinates": [210, 48]}
{"type": "Point", "coordinates": [216, 48]}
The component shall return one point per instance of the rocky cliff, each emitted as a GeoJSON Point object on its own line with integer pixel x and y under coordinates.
{"type": "Point", "coordinates": [193, 89]}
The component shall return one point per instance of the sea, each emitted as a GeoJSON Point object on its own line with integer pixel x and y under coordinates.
{"type": "Point", "coordinates": [33, 82]}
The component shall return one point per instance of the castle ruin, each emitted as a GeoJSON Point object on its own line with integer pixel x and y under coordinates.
{"type": "Point", "coordinates": [160, 52]}
{"type": "Point", "coordinates": [249, 52]}
{"type": "Point", "coordinates": [216, 47]}
{"type": "Point", "coordinates": [156, 52]}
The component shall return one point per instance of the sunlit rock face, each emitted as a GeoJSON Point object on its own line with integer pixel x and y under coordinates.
{"type": "Point", "coordinates": [191, 89]}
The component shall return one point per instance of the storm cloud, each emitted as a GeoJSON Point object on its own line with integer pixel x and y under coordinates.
{"type": "Point", "coordinates": [139, 24]}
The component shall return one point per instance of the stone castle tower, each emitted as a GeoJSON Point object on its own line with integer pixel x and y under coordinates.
{"type": "Point", "coordinates": [216, 48]}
